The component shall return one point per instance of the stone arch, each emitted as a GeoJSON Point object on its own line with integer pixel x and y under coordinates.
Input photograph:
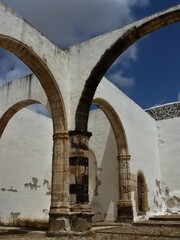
{"type": "Point", "coordinates": [128, 35]}
{"type": "Point", "coordinates": [37, 52]}
{"type": "Point", "coordinates": [42, 72]}
{"type": "Point", "coordinates": [141, 194]}
{"type": "Point", "coordinates": [124, 205]}
{"type": "Point", "coordinates": [116, 125]}
{"type": "Point", "coordinates": [60, 134]}
{"type": "Point", "coordinates": [12, 111]}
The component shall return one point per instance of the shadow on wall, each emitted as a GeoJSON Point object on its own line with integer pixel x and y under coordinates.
{"type": "Point", "coordinates": [103, 182]}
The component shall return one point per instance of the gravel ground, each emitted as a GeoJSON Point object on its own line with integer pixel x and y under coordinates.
{"type": "Point", "coordinates": [121, 232]}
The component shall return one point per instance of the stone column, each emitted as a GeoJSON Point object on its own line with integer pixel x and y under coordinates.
{"type": "Point", "coordinates": [124, 205]}
{"type": "Point", "coordinates": [81, 211]}
{"type": "Point", "coordinates": [59, 210]}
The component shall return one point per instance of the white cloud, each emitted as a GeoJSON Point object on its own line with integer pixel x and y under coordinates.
{"type": "Point", "coordinates": [179, 96]}
{"type": "Point", "coordinates": [121, 81]}
{"type": "Point", "coordinates": [115, 73]}
{"type": "Point", "coordinates": [11, 67]}
{"type": "Point", "coordinates": [131, 54]}
{"type": "Point", "coordinates": [67, 22]}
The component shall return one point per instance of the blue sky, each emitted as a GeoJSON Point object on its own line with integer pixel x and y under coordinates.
{"type": "Point", "coordinates": [156, 69]}
{"type": "Point", "coordinates": [149, 72]}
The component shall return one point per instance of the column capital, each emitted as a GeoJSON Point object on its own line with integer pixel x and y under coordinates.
{"type": "Point", "coordinates": [124, 202]}
{"type": "Point", "coordinates": [60, 135]}
{"type": "Point", "coordinates": [80, 132]}
{"type": "Point", "coordinates": [124, 157]}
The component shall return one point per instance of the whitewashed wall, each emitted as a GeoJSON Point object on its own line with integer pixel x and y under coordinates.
{"type": "Point", "coordinates": [26, 148]}
{"type": "Point", "coordinates": [22, 89]}
{"type": "Point", "coordinates": [169, 151]}
{"type": "Point", "coordinates": [141, 133]}
{"type": "Point", "coordinates": [25, 167]}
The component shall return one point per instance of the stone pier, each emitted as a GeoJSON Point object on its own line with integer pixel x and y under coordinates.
{"type": "Point", "coordinates": [124, 205]}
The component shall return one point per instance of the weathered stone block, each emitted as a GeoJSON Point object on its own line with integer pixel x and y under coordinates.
{"type": "Point", "coordinates": [80, 224]}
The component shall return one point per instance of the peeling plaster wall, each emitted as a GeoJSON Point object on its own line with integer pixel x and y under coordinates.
{"type": "Point", "coordinates": [25, 167]}
{"type": "Point", "coordinates": [169, 151]}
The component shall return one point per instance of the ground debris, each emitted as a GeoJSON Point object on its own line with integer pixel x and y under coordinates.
{"type": "Point", "coordinates": [126, 232]}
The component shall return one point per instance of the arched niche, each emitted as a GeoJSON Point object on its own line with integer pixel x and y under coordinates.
{"type": "Point", "coordinates": [141, 194]}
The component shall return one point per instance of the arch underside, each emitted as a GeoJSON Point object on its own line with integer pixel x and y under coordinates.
{"type": "Point", "coordinates": [40, 69]}
{"type": "Point", "coordinates": [136, 31]}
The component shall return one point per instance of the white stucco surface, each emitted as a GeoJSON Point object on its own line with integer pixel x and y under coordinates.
{"type": "Point", "coordinates": [25, 165]}
{"type": "Point", "coordinates": [22, 89]}
{"type": "Point", "coordinates": [169, 152]}
{"type": "Point", "coordinates": [26, 143]}
{"type": "Point", "coordinates": [141, 133]}
{"type": "Point", "coordinates": [26, 153]}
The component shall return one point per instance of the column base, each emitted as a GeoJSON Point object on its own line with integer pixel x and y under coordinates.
{"type": "Point", "coordinates": [72, 223]}
{"type": "Point", "coordinates": [81, 217]}
{"type": "Point", "coordinates": [125, 212]}
{"type": "Point", "coordinates": [58, 224]}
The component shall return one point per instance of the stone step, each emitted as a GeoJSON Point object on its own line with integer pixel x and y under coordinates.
{"type": "Point", "coordinates": [153, 223]}
{"type": "Point", "coordinates": [175, 217]}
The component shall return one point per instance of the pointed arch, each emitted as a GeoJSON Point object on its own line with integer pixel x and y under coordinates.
{"type": "Point", "coordinates": [128, 35]}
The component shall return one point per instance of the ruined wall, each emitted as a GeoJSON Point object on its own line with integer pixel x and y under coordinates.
{"type": "Point", "coordinates": [25, 172]}
{"type": "Point", "coordinates": [169, 152]}
{"type": "Point", "coordinates": [26, 160]}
